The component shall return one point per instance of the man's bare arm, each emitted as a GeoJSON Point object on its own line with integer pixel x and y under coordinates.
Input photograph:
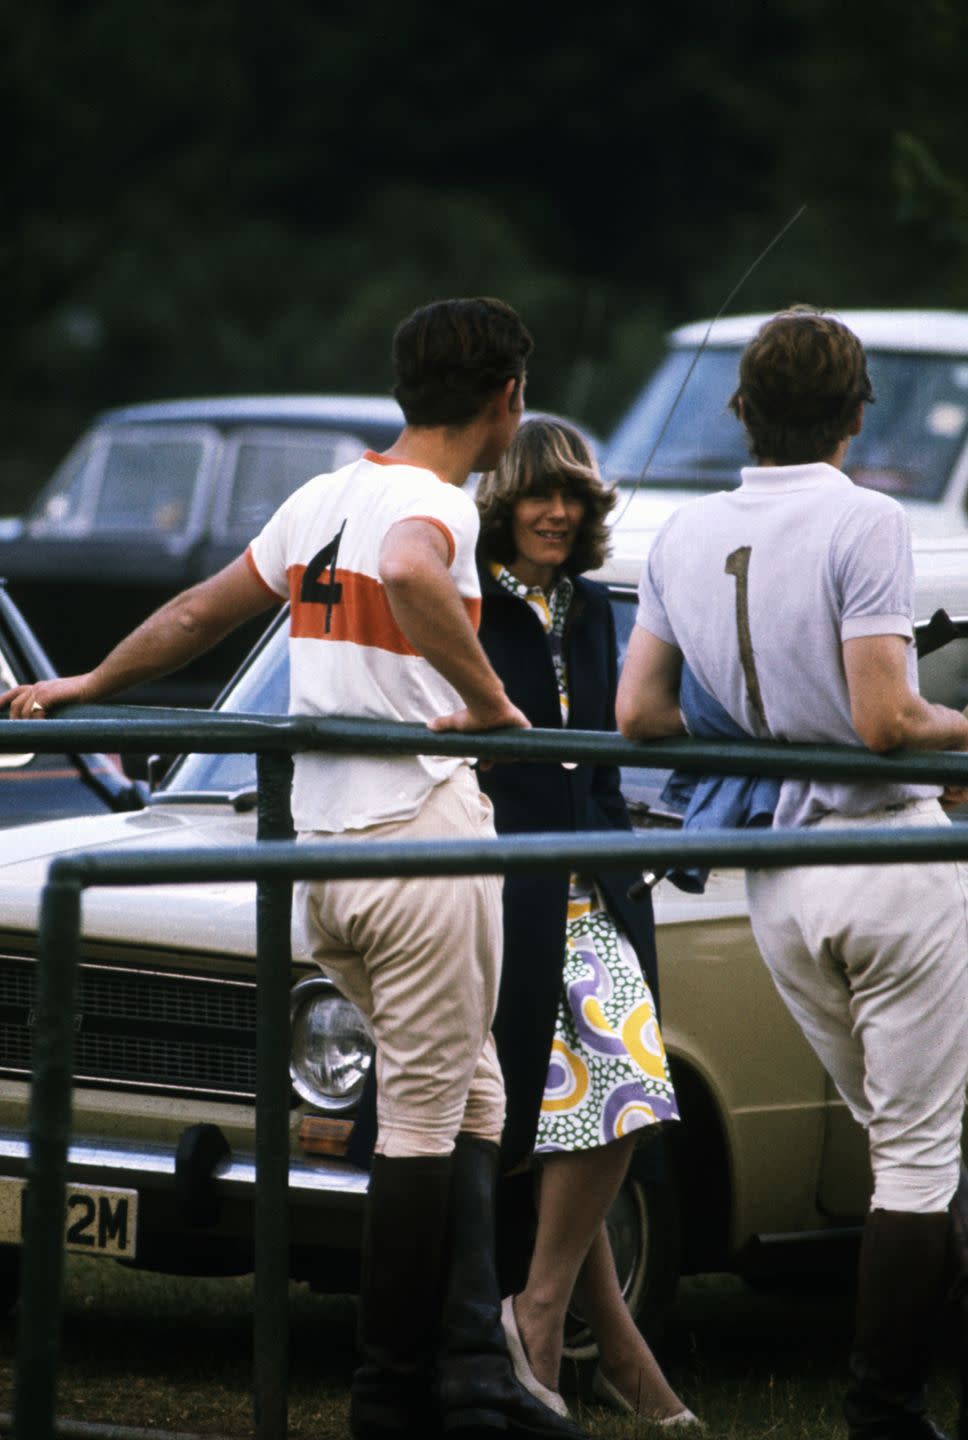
{"type": "Point", "coordinates": [647, 703]}
{"type": "Point", "coordinates": [183, 628]}
{"type": "Point", "coordinates": [431, 613]}
{"type": "Point", "coordinates": [885, 711]}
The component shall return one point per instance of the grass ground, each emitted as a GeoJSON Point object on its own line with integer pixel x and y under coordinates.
{"type": "Point", "coordinates": [176, 1354]}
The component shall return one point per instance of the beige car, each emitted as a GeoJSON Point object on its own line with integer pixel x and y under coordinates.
{"type": "Point", "coordinates": [768, 1171]}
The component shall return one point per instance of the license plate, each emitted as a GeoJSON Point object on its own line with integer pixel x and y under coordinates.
{"type": "Point", "coordinates": [99, 1220]}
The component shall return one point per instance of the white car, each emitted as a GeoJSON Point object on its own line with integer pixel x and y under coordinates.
{"type": "Point", "coordinates": [678, 438]}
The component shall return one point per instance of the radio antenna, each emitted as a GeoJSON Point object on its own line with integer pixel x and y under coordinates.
{"type": "Point", "coordinates": [695, 359]}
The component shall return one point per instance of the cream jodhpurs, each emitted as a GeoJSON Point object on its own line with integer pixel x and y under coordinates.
{"type": "Point", "coordinates": [421, 959]}
{"type": "Point", "coordinates": [872, 962]}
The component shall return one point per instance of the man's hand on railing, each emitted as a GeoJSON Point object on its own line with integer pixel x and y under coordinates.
{"type": "Point", "coordinates": [501, 715]}
{"type": "Point", "coordinates": [33, 702]}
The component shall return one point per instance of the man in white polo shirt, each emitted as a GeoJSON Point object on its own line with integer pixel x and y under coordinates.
{"type": "Point", "coordinates": [790, 599]}
{"type": "Point", "coordinates": [377, 563]}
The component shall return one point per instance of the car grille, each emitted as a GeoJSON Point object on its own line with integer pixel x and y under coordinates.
{"type": "Point", "coordinates": [140, 1029]}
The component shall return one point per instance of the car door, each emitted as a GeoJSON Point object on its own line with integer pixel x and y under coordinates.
{"type": "Point", "coordinates": [43, 786]}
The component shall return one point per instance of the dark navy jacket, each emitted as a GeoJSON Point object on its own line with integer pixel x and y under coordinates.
{"type": "Point", "coordinates": [532, 797]}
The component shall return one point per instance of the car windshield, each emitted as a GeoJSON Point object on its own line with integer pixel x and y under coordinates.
{"type": "Point", "coordinates": [126, 483]}
{"type": "Point", "coordinates": [910, 440]}
{"type": "Point", "coordinates": [263, 689]}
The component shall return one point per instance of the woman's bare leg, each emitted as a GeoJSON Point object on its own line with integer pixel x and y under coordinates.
{"type": "Point", "coordinates": [572, 1254]}
{"type": "Point", "coordinates": [624, 1355]}
{"type": "Point", "coordinates": [575, 1190]}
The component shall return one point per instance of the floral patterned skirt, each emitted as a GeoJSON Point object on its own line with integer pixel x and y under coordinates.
{"type": "Point", "coordinates": [608, 1074]}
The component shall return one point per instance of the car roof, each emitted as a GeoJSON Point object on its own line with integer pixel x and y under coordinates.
{"type": "Point", "coordinates": [939, 331]}
{"type": "Point", "coordinates": [261, 409]}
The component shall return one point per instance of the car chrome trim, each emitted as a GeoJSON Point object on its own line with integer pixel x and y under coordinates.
{"type": "Point", "coordinates": [319, 1174]}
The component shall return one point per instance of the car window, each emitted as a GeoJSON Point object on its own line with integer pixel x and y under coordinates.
{"type": "Point", "coordinates": [60, 505]}
{"type": "Point", "coordinates": [911, 438]}
{"type": "Point", "coordinates": [116, 483]}
{"type": "Point", "coordinates": [915, 430]}
{"type": "Point", "coordinates": [261, 689]}
{"type": "Point", "coordinates": [267, 471]}
{"type": "Point", "coordinates": [147, 485]}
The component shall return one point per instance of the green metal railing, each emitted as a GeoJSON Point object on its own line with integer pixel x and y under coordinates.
{"type": "Point", "coordinates": [273, 865]}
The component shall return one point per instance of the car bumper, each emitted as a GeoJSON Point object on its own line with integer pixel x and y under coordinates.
{"type": "Point", "coordinates": [150, 1165]}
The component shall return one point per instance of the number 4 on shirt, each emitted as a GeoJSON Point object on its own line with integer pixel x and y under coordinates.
{"type": "Point", "coordinates": [316, 591]}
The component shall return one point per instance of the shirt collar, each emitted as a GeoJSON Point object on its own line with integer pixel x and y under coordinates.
{"type": "Point", "coordinates": [514, 586]}
{"type": "Point", "coordinates": [816, 476]}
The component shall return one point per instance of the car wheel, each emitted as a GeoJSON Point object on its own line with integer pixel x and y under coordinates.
{"type": "Point", "coordinates": [643, 1228]}
{"type": "Point", "coordinates": [9, 1278]}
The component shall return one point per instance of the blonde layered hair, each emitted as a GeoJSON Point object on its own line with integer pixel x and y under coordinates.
{"type": "Point", "coordinates": [545, 455]}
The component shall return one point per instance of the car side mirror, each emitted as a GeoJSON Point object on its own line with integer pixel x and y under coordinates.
{"type": "Point", "coordinates": [152, 768]}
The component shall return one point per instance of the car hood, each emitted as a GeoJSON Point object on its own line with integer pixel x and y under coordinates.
{"type": "Point", "coordinates": [216, 917]}
{"type": "Point", "coordinates": [646, 509]}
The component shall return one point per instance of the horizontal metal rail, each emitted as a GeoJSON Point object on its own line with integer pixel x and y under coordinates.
{"type": "Point", "coordinates": [98, 727]}
{"type": "Point", "coordinates": [333, 860]}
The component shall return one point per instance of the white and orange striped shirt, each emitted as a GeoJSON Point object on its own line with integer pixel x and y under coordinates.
{"type": "Point", "coordinates": [347, 654]}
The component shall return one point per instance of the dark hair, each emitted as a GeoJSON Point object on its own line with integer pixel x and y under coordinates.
{"type": "Point", "coordinates": [801, 380]}
{"type": "Point", "coordinates": [545, 455]}
{"type": "Point", "coordinates": [450, 357]}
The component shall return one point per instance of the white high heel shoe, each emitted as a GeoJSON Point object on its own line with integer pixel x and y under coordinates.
{"type": "Point", "coordinates": [603, 1389]}
{"type": "Point", "coordinates": [522, 1368]}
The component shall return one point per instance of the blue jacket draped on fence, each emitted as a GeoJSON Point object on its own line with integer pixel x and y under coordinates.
{"type": "Point", "coordinates": [714, 801]}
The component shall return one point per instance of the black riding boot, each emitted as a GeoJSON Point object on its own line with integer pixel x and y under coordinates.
{"type": "Point", "coordinates": [401, 1291]}
{"type": "Point", "coordinates": [900, 1298]}
{"type": "Point", "coordinates": [478, 1389]}
{"type": "Point", "coordinates": [958, 1291]}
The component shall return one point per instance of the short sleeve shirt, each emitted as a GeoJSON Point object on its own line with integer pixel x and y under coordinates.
{"type": "Point", "coordinates": [760, 586]}
{"type": "Point", "coordinates": [348, 656]}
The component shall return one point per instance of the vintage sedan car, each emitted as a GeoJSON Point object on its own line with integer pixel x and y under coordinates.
{"type": "Point", "coordinates": [768, 1170]}
{"type": "Point", "coordinates": [678, 439]}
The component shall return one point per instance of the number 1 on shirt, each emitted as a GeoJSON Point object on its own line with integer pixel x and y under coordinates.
{"type": "Point", "coordinates": [738, 565]}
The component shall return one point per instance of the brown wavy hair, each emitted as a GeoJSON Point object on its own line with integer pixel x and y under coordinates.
{"type": "Point", "coordinates": [545, 455]}
{"type": "Point", "coordinates": [802, 379]}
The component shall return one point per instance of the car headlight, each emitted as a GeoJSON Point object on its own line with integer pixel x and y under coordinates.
{"type": "Point", "coordinates": [330, 1048]}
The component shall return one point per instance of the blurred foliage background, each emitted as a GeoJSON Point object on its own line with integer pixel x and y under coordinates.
{"type": "Point", "coordinates": [216, 196]}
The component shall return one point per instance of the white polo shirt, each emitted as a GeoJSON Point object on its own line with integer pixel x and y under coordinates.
{"type": "Point", "coordinates": [347, 654]}
{"type": "Point", "coordinates": [759, 587]}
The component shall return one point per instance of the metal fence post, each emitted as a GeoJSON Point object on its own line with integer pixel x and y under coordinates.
{"type": "Point", "coordinates": [42, 1287]}
{"type": "Point", "coordinates": [273, 971]}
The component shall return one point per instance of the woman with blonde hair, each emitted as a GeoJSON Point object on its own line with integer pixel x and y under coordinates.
{"type": "Point", "coordinates": [577, 1030]}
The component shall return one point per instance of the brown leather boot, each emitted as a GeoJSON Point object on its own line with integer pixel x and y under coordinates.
{"type": "Point", "coordinates": [958, 1291]}
{"type": "Point", "coordinates": [401, 1288]}
{"type": "Point", "coordinates": [479, 1393]}
{"type": "Point", "coordinates": [900, 1299]}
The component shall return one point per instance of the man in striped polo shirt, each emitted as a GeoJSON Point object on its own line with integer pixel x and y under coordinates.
{"type": "Point", "coordinates": [377, 564]}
